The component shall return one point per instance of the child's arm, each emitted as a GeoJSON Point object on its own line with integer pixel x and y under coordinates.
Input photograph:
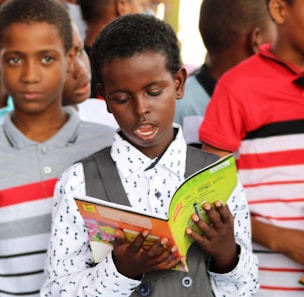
{"type": "Point", "coordinates": [275, 239]}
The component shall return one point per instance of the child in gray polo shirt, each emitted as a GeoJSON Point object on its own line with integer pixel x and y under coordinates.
{"type": "Point", "coordinates": [39, 139]}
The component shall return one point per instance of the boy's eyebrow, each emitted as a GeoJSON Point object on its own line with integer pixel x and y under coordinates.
{"type": "Point", "coordinates": [21, 53]}
{"type": "Point", "coordinates": [146, 86]}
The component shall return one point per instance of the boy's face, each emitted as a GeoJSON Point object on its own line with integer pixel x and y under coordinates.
{"type": "Point", "coordinates": [289, 17]}
{"type": "Point", "coordinates": [77, 87]}
{"type": "Point", "coordinates": [34, 66]}
{"type": "Point", "coordinates": [141, 94]}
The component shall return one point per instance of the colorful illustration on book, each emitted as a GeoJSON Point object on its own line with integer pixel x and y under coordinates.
{"type": "Point", "coordinates": [100, 232]}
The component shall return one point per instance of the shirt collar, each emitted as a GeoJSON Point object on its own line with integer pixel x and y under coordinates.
{"type": "Point", "coordinates": [132, 160]}
{"type": "Point", "coordinates": [67, 134]}
{"type": "Point", "coordinates": [265, 52]}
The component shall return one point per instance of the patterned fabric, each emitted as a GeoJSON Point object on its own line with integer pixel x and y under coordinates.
{"type": "Point", "coordinates": [258, 108]}
{"type": "Point", "coordinates": [70, 266]}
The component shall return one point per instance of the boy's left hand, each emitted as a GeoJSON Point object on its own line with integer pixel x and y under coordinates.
{"type": "Point", "coordinates": [217, 239]}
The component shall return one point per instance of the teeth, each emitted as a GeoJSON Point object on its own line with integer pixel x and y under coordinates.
{"type": "Point", "coordinates": [145, 130]}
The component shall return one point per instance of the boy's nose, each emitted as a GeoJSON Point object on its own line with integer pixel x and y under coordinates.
{"type": "Point", "coordinates": [80, 69]}
{"type": "Point", "coordinates": [31, 73]}
{"type": "Point", "coordinates": [142, 106]}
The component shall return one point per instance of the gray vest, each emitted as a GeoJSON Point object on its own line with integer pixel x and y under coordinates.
{"type": "Point", "coordinates": [103, 182]}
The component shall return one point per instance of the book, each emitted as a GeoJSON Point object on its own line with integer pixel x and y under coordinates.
{"type": "Point", "coordinates": [214, 182]}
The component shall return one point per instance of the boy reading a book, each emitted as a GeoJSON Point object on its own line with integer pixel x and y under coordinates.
{"type": "Point", "coordinates": [136, 60]}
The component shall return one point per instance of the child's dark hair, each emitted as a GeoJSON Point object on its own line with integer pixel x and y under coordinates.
{"type": "Point", "coordinates": [133, 34]}
{"type": "Point", "coordinates": [222, 22]}
{"type": "Point", "coordinates": [51, 12]}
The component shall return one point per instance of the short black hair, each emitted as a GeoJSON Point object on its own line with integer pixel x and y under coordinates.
{"type": "Point", "coordinates": [134, 34]}
{"type": "Point", "coordinates": [222, 22]}
{"type": "Point", "coordinates": [92, 10]}
{"type": "Point", "coordinates": [51, 12]}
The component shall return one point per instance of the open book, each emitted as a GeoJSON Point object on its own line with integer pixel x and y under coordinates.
{"type": "Point", "coordinates": [214, 182]}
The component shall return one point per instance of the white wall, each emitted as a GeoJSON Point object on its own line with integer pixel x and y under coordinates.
{"type": "Point", "coordinates": [193, 50]}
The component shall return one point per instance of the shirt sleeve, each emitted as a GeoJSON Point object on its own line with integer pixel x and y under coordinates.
{"type": "Point", "coordinates": [243, 279]}
{"type": "Point", "coordinates": [70, 267]}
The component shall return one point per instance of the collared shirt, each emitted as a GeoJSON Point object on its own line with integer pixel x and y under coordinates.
{"type": "Point", "coordinates": [70, 266]}
{"type": "Point", "coordinates": [263, 123]}
{"type": "Point", "coordinates": [28, 174]}
{"type": "Point", "coordinates": [150, 190]}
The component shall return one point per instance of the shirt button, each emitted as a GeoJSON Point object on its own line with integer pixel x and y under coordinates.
{"type": "Point", "coordinates": [187, 282]}
{"type": "Point", "coordinates": [144, 290]}
{"type": "Point", "coordinates": [47, 169]}
{"type": "Point", "coordinates": [43, 149]}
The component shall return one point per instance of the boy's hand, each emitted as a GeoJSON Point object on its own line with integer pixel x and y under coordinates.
{"type": "Point", "coordinates": [132, 260]}
{"type": "Point", "coordinates": [217, 239]}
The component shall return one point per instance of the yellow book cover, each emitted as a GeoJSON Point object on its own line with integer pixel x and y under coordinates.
{"type": "Point", "coordinates": [214, 182]}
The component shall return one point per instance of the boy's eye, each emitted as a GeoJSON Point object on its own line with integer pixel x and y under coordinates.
{"type": "Point", "coordinates": [154, 93]}
{"type": "Point", "coordinates": [47, 60]}
{"type": "Point", "coordinates": [117, 99]}
{"type": "Point", "coordinates": [14, 61]}
{"type": "Point", "coordinates": [121, 100]}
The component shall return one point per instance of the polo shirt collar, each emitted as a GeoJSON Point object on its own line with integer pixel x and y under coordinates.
{"type": "Point", "coordinates": [67, 134]}
{"type": "Point", "coordinates": [265, 52]}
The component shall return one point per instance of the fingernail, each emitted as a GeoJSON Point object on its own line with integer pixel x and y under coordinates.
{"type": "Point", "coordinates": [145, 233]}
{"type": "Point", "coordinates": [195, 218]}
{"type": "Point", "coordinates": [207, 206]}
{"type": "Point", "coordinates": [188, 231]}
{"type": "Point", "coordinates": [218, 203]}
{"type": "Point", "coordinates": [164, 241]}
{"type": "Point", "coordinates": [173, 249]}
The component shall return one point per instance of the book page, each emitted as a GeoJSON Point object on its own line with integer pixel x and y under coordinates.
{"type": "Point", "coordinates": [209, 184]}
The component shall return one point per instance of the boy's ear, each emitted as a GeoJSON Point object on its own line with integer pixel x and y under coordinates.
{"type": "Point", "coordinates": [180, 79]}
{"type": "Point", "coordinates": [277, 9]}
{"type": "Point", "coordinates": [255, 40]}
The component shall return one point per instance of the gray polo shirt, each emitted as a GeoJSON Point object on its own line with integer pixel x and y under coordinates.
{"type": "Point", "coordinates": [28, 173]}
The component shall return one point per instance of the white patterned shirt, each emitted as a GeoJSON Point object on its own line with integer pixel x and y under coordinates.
{"type": "Point", "coordinates": [70, 266]}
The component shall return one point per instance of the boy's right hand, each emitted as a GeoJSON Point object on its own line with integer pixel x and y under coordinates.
{"type": "Point", "coordinates": [132, 260]}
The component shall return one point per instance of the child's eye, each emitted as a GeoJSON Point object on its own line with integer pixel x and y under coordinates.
{"type": "Point", "coordinates": [47, 60]}
{"type": "Point", "coordinates": [155, 93]}
{"type": "Point", "coordinates": [117, 99]}
{"type": "Point", "coordinates": [14, 61]}
{"type": "Point", "coordinates": [121, 100]}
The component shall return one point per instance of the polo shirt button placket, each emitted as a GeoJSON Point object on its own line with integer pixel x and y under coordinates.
{"type": "Point", "coordinates": [47, 169]}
